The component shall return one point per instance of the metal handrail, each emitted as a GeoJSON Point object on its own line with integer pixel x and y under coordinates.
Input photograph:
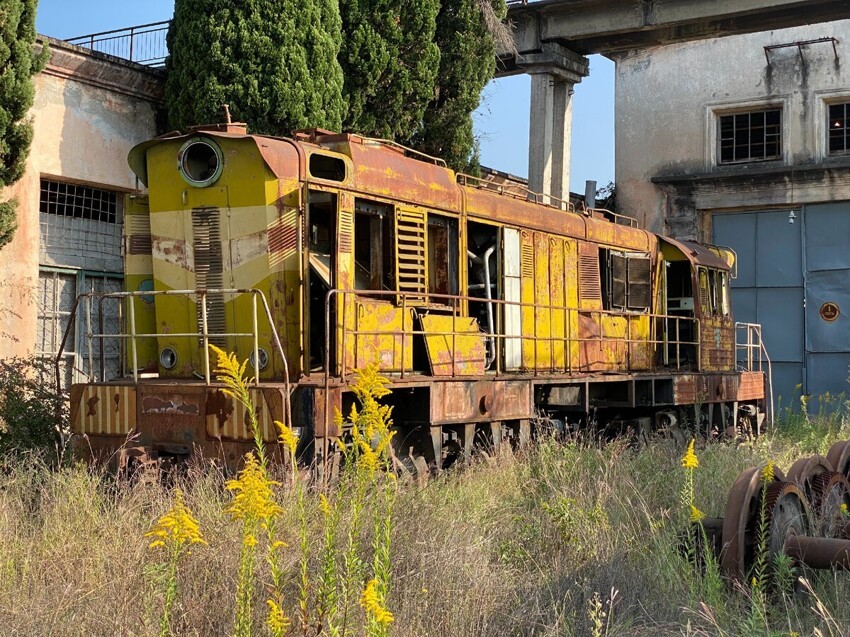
{"type": "Point", "coordinates": [515, 190]}
{"type": "Point", "coordinates": [101, 335]}
{"type": "Point", "coordinates": [121, 40]}
{"type": "Point", "coordinates": [757, 358]}
{"type": "Point", "coordinates": [454, 302]}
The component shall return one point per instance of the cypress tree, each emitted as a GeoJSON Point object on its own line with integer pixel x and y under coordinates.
{"type": "Point", "coordinates": [272, 61]}
{"type": "Point", "coordinates": [465, 35]}
{"type": "Point", "coordinates": [390, 62]}
{"type": "Point", "coordinates": [18, 63]}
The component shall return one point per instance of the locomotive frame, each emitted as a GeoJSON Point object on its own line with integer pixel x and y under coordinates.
{"type": "Point", "coordinates": [487, 308]}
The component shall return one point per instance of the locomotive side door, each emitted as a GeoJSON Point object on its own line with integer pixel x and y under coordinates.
{"type": "Point", "coordinates": [322, 211]}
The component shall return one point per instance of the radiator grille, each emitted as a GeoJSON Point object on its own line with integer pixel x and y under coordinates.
{"type": "Point", "coordinates": [588, 267]}
{"type": "Point", "coordinates": [410, 253]}
{"type": "Point", "coordinates": [209, 270]}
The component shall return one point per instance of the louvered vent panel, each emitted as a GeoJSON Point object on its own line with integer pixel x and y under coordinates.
{"type": "Point", "coordinates": [640, 283]}
{"type": "Point", "coordinates": [209, 270]}
{"type": "Point", "coordinates": [588, 273]}
{"type": "Point", "coordinates": [410, 254]}
{"type": "Point", "coordinates": [346, 229]}
{"type": "Point", "coordinates": [527, 256]}
{"type": "Point", "coordinates": [139, 234]}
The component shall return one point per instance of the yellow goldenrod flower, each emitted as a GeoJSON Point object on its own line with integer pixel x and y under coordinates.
{"type": "Point", "coordinates": [696, 514]}
{"type": "Point", "coordinates": [286, 437]}
{"type": "Point", "coordinates": [690, 460]}
{"type": "Point", "coordinates": [844, 510]}
{"type": "Point", "coordinates": [324, 505]}
{"type": "Point", "coordinates": [277, 544]}
{"type": "Point", "coordinates": [177, 528]}
{"type": "Point", "coordinates": [277, 620]}
{"type": "Point", "coordinates": [249, 540]}
{"type": "Point", "coordinates": [231, 373]}
{"type": "Point", "coordinates": [768, 473]}
{"type": "Point", "coordinates": [371, 601]}
{"type": "Point", "coordinates": [254, 499]}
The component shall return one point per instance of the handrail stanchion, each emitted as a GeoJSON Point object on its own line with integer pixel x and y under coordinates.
{"type": "Point", "coordinates": [403, 330]}
{"type": "Point", "coordinates": [205, 335]}
{"type": "Point", "coordinates": [256, 339]}
{"type": "Point", "coordinates": [89, 339]}
{"type": "Point", "coordinates": [134, 355]}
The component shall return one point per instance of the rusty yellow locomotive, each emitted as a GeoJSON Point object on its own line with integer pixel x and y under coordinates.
{"type": "Point", "coordinates": [488, 309]}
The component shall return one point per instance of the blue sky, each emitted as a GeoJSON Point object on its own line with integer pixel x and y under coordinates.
{"type": "Point", "coordinates": [501, 121]}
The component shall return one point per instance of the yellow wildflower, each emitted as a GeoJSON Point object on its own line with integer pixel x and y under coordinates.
{"type": "Point", "coordinates": [231, 373]}
{"type": "Point", "coordinates": [324, 505]}
{"type": "Point", "coordinates": [287, 437]}
{"type": "Point", "coordinates": [277, 620]}
{"type": "Point", "coordinates": [844, 510]}
{"type": "Point", "coordinates": [277, 544]}
{"type": "Point", "coordinates": [371, 601]}
{"type": "Point", "coordinates": [249, 540]}
{"type": "Point", "coordinates": [768, 472]}
{"type": "Point", "coordinates": [690, 460]}
{"type": "Point", "coordinates": [177, 528]}
{"type": "Point", "coordinates": [254, 499]}
{"type": "Point", "coordinates": [696, 514]}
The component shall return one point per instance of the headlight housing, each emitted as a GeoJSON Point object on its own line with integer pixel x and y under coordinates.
{"type": "Point", "coordinates": [200, 162]}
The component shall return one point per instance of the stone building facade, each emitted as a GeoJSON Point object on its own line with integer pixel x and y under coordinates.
{"type": "Point", "coordinates": [745, 141]}
{"type": "Point", "coordinates": [89, 110]}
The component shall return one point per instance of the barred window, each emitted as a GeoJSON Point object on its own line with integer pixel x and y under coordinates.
{"type": "Point", "coordinates": [80, 226]}
{"type": "Point", "coordinates": [80, 202]}
{"type": "Point", "coordinates": [839, 129]}
{"type": "Point", "coordinates": [753, 136]}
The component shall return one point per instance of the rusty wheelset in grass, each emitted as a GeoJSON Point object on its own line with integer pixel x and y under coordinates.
{"type": "Point", "coordinates": [803, 514]}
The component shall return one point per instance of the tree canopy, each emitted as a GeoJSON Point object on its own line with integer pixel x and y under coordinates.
{"type": "Point", "coordinates": [274, 62]}
{"type": "Point", "coordinates": [18, 63]}
{"type": "Point", "coordinates": [408, 71]}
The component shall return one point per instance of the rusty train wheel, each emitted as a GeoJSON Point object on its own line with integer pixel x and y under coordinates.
{"type": "Point", "coordinates": [830, 491]}
{"type": "Point", "coordinates": [839, 457]}
{"type": "Point", "coordinates": [740, 521]}
{"type": "Point", "coordinates": [787, 513]}
{"type": "Point", "coordinates": [806, 470]}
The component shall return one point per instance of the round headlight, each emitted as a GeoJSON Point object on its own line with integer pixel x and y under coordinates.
{"type": "Point", "coordinates": [168, 358]}
{"type": "Point", "coordinates": [200, 162]}
{"type": "Point", "coordinates": [264, 359]}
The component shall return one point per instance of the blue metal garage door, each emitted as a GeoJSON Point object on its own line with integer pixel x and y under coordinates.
{"type": "Point", "coordinates": [794, 279]}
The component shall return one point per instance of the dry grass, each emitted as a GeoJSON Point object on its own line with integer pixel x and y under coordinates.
{"type": "Point", "coordinates": [520, 545]}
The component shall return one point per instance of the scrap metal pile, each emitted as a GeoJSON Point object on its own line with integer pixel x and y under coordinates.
{"type": "Point", "coordinates": [802, 514]}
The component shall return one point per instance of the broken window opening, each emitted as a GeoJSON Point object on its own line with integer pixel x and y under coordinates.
{"type": "Point", "coordinates": [321, 220]}
{"type": "Point", "coordinates": [442, 256]}
{"type": "Point", "coordinates": [373, 241]}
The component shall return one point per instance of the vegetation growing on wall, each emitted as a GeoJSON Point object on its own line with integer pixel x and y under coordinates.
{"type": "Point", "coordinates": [18, 63]}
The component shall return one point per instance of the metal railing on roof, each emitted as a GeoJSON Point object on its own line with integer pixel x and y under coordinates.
{"type": "Point", "coordinates": [144, 44]}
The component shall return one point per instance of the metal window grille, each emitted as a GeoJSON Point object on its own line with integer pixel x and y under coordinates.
{"type": "Point", "coordinates": [754, 136]}
{"type": "Point", "coordinates": [839, 129]}
{"type": "Point", "coordinates": [56, 294]}
{"type": "Point", "coordinates": [80, 226]}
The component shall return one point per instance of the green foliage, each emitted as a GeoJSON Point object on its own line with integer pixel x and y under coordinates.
{"type": "Point", "coordinates": [32, 414]}
{"type": "Point", "coordinates": [390, 61]}
{"type": "Point", "coordinates": [18, 63]}
{"type": "Point", "coordinates": [273, 62]}
{"type": "Point", "coordinates": [467, 63]}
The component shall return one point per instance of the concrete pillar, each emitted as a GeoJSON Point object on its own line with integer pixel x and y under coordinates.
{"type": "Point", "coordinates": [553, 72]}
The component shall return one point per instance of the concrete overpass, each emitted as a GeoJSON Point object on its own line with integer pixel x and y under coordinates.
{"type": "Point", "coordinates": [552, 38]}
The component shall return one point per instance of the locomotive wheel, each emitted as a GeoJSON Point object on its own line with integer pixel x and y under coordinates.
{"type": "Point", "coordinates": [839, 457]}
{"type": "Point", "coordinates": [831, 491]}
{"type": "Point", "coordinates": [805, 471]}
{"type": "Point", "coordinates": [786, 513]}
{"type": "Point", "coordinates": [741, 520]}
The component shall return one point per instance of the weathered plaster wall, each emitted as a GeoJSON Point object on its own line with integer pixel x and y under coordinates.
{"type": "Point", "coordinates": [89, 110]}
{"type": "Point", "coordinates": [667, 100]}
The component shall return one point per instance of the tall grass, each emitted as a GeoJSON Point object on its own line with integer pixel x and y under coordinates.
{"type": "Point", "coordinates": [558, 539]}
